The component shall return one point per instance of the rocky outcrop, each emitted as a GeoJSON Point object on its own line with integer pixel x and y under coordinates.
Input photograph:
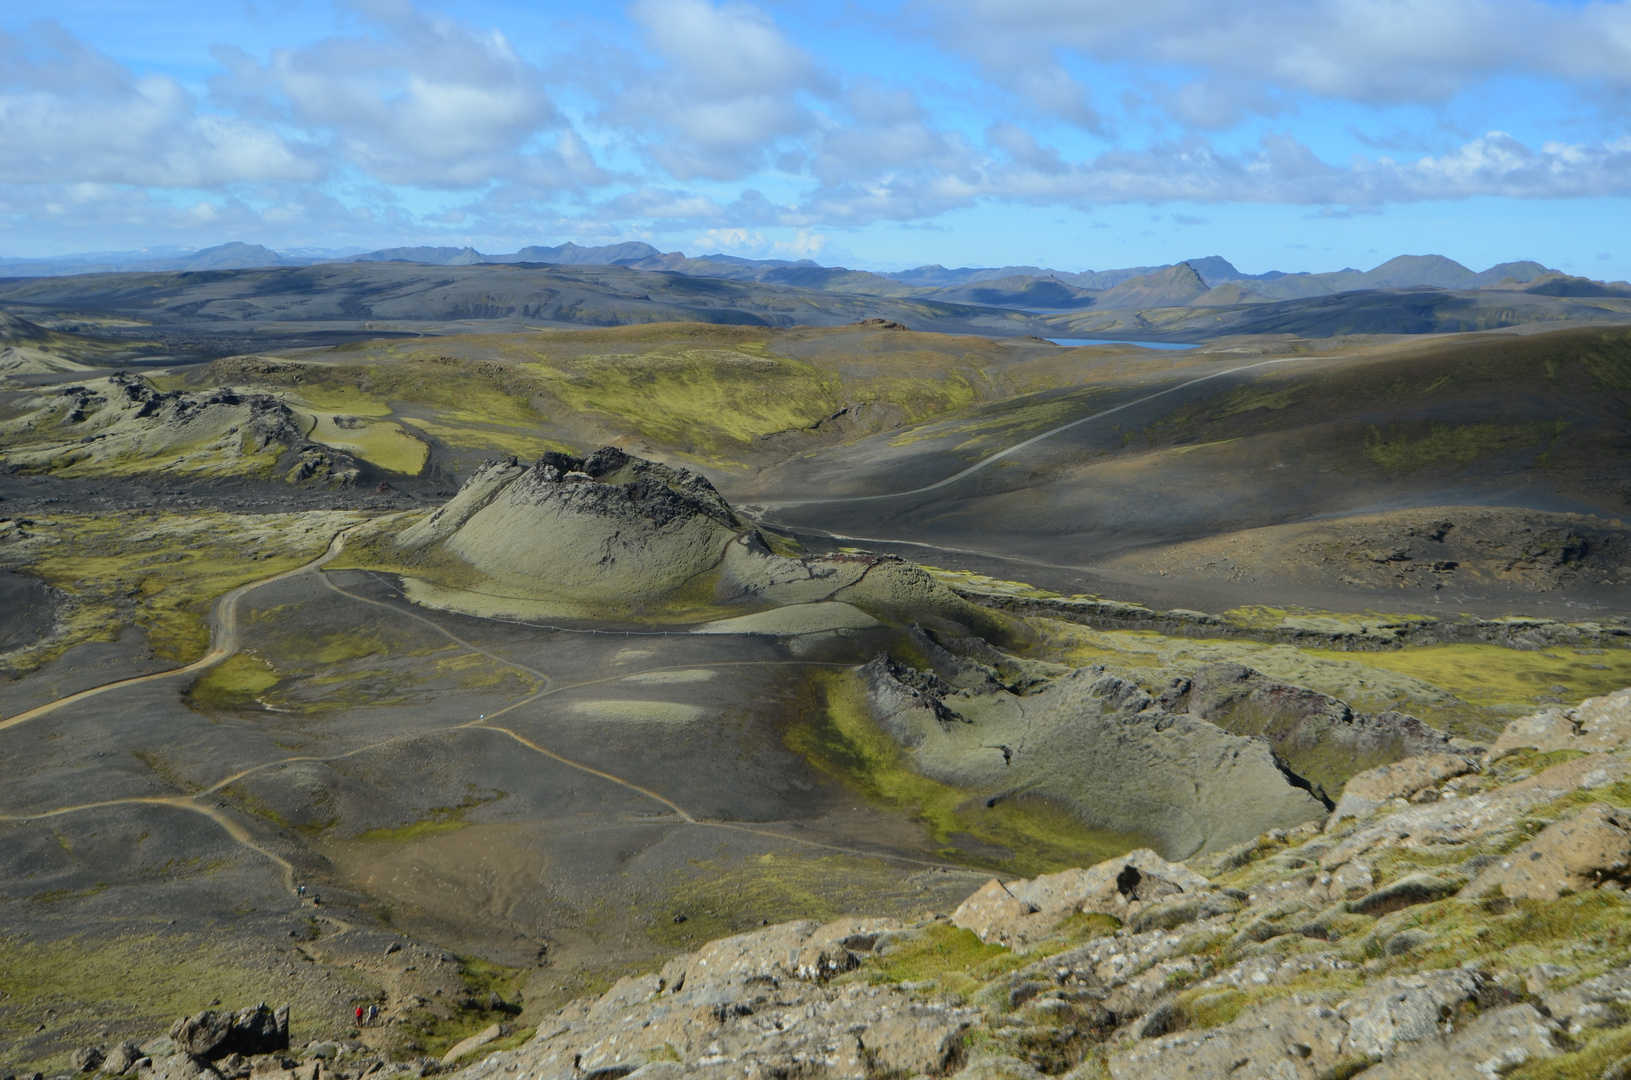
{"type": "Point", "coordinates": [610, 528]}
{"type": "Point", "coordinates": [102, 426]}
{"type": "Point", "coordinates": [1095, 742]}
{"type": "Point", "coordinates": [1595, 726]}
{"type": "Point", "coordinates": [759, 1004]}
{"type": "Point", "coordinates": [1019, 914]}
{"type": "Point", "coordinates": [1591, 850]}
{"type": "Point", "coordinates": [1405, 779]}
{"type": "Point", "coordinates": [1319, 738]}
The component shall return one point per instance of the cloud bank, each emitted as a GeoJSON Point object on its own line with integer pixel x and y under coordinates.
{"type": "Point", "coordinates": [726, 118]}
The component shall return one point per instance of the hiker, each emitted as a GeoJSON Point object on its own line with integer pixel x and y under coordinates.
{"type": "Point", "coordinates": [359, 1016]}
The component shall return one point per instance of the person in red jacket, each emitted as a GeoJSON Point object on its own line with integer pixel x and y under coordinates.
{"type": "Point", "coordinates": [359, 1016]}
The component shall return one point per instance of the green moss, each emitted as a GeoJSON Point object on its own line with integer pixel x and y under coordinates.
{"type": "Point", "coordinates": [701, 399]}
{"type": "Point", "coordinates": [161, 572]}
{"type": "Point", "coordinates": [957, 960]}
{"type": "Point", "coordinates": [437, 1034]}
{"type": "Point", "coordinates": [1494, 675]}
{"type": "Point", "coordinates": [437, 820]}
{"type": "Point", "coordinates": [1459, 444]}
{"type": "Point", "coordinates": [1588, 1062]}
{"type": "Point", "coordinates": [839, 736]}
{"type": "Point", "coordinates": [1250, 398]}
{"type": "Point", "coordinates": [233, 684]}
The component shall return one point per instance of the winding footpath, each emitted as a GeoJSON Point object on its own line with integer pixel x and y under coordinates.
{"type": "Point", "coordinates": [224, 640]}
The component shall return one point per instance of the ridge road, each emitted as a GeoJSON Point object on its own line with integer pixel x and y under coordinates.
{"type": "Point", "coordinates": [1033, 440]}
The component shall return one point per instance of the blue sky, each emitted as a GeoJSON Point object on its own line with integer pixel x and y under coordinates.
{"type": "Point", "coordinates": [1078, 134]}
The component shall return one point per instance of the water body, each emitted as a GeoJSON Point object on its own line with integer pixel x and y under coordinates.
{"type": "Point", "coordinates": [1075, 342]}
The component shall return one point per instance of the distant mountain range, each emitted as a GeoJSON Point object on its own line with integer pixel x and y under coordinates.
{"type": "Point", "coordinates": [1195, 283]}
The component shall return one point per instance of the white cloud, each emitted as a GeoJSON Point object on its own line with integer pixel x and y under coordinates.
{"type": "Point", "coordinates": [419, 99]}
{"type": "Point", "coordinates": [730, 85]}
{"type": "Point", "coordinates": [1237, 57]}
{"type": "Point", "coordinates": [70, 113]}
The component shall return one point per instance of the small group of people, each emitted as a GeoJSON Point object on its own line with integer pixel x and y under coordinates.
{"type": "Point", "coordinates": [316, 898]}
{"type": "Point", "coordinates": [367, 1017]}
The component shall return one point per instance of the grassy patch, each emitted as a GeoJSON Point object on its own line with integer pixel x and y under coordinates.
{"type": "Point", "coordinates": [840, 737]}
{"type": "Point", "coordinates": [437, 820]}
{"type": "Point", "coordinates": [697, 398]}
{"type": "Point", "coordinates": [523, 444]}
{"type": "Point", "coordinates": [377, 442]}
{"type": "Point", "coordinates": [1492, 675]}
{"type": "Point", "coordinates": [955, 959]}
{"type": "Point", "coordinates": [233, 684]}
{"type": "Point", "coordinates": [1458, 444]}
{"type": "Point", "coordinates": [160, 571]}
{"type": "Point", "coordinates": [129, 987]}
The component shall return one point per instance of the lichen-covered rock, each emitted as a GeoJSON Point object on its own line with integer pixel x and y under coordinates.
{"type": "Point", "coordinates": [1595, 726]}
{"type": "Point", "coordinates": [1018, 913]}
{"type": "Point", "coordinates": [1400, 780]}
{"type": "Point", "coordinates": [1491, 1045]}
{"type": "Point", "coordinates": [1462, 820]}
{"type": "Point", "coordinates": [1587, 851]}
{"type": "Point", "coordinates": [121, 1058]}
{"type": "Point", "coordinates": [1604, 1001]}
{"type": "Point", "coordinates": [757, 1003]}
{"type": "Point", "coordinates": [1292, 1038]}
{"type": "Point", "coordinates": [86, 1058]}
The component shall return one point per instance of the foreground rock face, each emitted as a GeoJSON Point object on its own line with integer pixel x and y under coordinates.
{"type": "Point", "coordinates": [1298, 955]}
{"type": "Point", "coordinates": [1596, 726]}
{"type": "Point", "coordinates": [1021, 913]}
{"type": "Point", "coordinates": [758, 1004]}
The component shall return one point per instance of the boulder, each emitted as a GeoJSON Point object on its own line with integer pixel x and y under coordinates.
{"type": "Point", "coordinates": [1586, 851]}
{"type": "Point", "coordinates": [121, 1058]}
{"type": "Point", "coordinates": [473, 1043]}
{"type": "Point", "coordinates": [1595, 726]}
{"type": "Point", "coordinates": [260, 1030]}
{"type": "Point", "coordinates": [180, 1067]}
{"type": "Point", "coordinates": [211, 1035]}
{"type": "Point", "coordinates": [204, 1035]}
{"type": "Point", "coordinates": [86, 1058]}
{"type": "Point", "coordinates": [1401, 780]}
{"type": "Point", "coordinates": [1020, 913]}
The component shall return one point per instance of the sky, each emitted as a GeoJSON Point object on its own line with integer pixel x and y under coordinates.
{"type": "Point", "coordinates": [879, 134]}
